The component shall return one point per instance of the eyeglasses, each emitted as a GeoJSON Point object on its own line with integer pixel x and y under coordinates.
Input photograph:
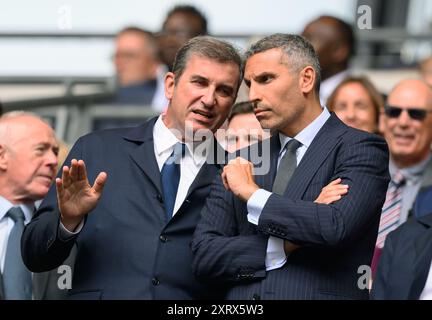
{"type": "Point", "coordinates": [414, 113]}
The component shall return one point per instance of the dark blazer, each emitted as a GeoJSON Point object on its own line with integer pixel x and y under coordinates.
{"type": "Point", "coordinates": [336, 239]}
{"type": "Point", "coordinates": [45, 284]}
{"type": "Point", "coordinates": [406, 259]}
{"type": "Point", "coordinates": [127, 249]}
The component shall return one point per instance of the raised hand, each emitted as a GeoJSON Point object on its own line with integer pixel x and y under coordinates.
{"type": "Point", "coordinates": [75, 196]}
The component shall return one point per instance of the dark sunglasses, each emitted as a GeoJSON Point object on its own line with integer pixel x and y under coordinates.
{"type": "Point", "coordinates": [415, 114]}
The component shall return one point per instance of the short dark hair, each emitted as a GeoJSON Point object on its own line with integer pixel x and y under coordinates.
{"type": "Point", "coordinates": [207, 47]}
{"type": "Point", "coordinates": [244, 107]}
{"type": "Point", "coordinates": [299, 51]}
{"type": "Point", "coordinates": [190, 10]}
{"type": "Point", "coordinates": [346, 31]}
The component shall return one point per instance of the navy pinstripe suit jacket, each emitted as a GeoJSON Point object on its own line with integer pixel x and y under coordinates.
{"type": "Point", "coordinates": [335, 239]}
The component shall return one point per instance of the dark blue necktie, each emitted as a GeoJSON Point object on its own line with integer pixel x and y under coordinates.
{"type": "Point", "coordinates": [16, 277]}
{"type": "Point", "coordinates": [171, 177]}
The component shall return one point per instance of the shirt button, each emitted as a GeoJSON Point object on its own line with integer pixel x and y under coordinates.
{"type": "Point", "coordinates": [162, 238]}
{"type": "Point", "coordinates": [155, 281]}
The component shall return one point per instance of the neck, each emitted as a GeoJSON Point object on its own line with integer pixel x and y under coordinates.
{"type": "Point", "coordinates": [403, 162]}
{"type": "Point", "coordinates": [312, 111]}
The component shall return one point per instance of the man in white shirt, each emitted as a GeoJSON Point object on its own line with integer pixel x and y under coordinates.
{"type": "Point", "coordinates": [134, 225]}
{"type": "Point", "coordinates": [282, 244]}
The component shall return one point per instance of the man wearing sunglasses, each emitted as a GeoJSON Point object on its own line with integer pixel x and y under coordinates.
{"type": "Point", "coordinates": [406, 124]}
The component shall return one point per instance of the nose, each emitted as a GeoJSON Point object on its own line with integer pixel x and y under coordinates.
{"type": "Point", "coordinates": [254, 95]}
{"type": "Point", "coordinates": [52, 159]}
{"type": "Point", "coordinates": [350, 112]}
{"type": "Point", "coordinates": [404, 118]}
{"type": "Point", "coordinates": [209, 97]}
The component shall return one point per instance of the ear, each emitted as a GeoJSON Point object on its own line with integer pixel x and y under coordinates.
{"type": "Point", "coordinates": [169, 85]}
{"type": "Point", "coordinates": [307, 80]}
{"type": "Point", "coordinates": [3, 157]}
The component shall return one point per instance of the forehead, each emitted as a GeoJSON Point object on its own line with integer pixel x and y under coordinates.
{"type": "Point", "coordinates": [29, 131]}
{"type": "Point", "coordinates": [227, 72]}
{"type": "Point", "coordinates": [409, 96]}
{"type": "Point", "coordinates": [353, 87]}
{"type": "Point", "coordinates": [131, 39]}
{"type": "Point", "coordinates": [266, 61]}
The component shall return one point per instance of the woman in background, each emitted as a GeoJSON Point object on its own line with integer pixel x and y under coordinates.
{"type": "Point", "coordinates": [357, 103]}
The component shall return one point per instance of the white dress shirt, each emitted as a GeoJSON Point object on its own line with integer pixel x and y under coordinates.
{"type": "Point", "coordinates": [275, 257]}
{"type": "Point", "coordinates": [190, 164]}
{"type": "Point", "coordinates": [6, 225]}
{"type": "Point", "coordinates": [164, 141]}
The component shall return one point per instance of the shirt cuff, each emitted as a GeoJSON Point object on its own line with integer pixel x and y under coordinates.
{"type": "Point", "coordinates": [275, 257]}
{"type": "Point", "coordinates": [65, 234]}
{"type": "Point", "coordinates": [256, 204]}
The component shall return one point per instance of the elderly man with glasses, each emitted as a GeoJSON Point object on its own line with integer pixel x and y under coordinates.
{"type": "Point", "coordinates": [407, 126]}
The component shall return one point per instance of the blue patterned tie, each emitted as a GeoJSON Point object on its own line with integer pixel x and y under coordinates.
{"type": "Point", "coordinates": [16, 277]}
{"type": "Point", "coordinates": [170, 175]}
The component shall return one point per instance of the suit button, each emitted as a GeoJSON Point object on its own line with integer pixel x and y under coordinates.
{"type": "Point", "coordinates": [155, 281]}
{"type": "Point", "coordinates": [160, 199]}
{"type": "Point", "coordinates": [256, 297]}
{"type": "Point", "coordinates": [163, 239]}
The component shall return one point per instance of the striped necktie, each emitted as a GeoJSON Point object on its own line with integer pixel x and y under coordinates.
{"type": "Point", "coordinates": [390, 215]}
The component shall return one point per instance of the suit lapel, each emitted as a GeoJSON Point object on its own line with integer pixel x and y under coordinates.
{"type": "Point", "coordinates": [266, 180]}
{"type": "Point", "coordinates": [322, 145]}
{"type": "Point", "coordinates": [143, 156]}
{"type": "Point", "coordinates": [423, 258]}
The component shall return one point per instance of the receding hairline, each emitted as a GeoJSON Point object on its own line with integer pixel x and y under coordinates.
{"type": "Point", "coordinates": [11, 119]}
{"type": "Point", "coordinates": [414, 85]}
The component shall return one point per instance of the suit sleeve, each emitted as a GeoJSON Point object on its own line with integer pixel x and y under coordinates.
{"type": "Point", "coordinates": [42, 247]}
{"type": "Point", "coordinates": [219, 252]}
{"type": "Point", "coordinates": [363, 165]}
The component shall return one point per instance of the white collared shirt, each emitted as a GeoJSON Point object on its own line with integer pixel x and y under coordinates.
{"type": "Point", "coordinates": [6, 225]}
{"type": "Point", "coordinates": [164, 141]}
{"type": "Point", "coordinates": [275, 257]}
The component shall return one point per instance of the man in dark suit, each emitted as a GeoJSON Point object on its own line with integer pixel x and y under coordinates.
{"type": "Point", "coordinates": [281, 244]}
{"type": "Point", "coordinates": [28, 164]}
{"type": "Point", "coordinates": [133, 238]}
{"type": "Point", "coordinates": [404, 270]}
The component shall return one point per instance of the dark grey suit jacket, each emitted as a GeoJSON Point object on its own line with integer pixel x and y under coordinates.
{"type": "Point", "coordinates": [127, 249]}
{"type": "Point", "coordinates": [335, 239]}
